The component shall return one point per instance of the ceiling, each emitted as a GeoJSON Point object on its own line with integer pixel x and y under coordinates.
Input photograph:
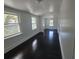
{"type": "Point", "coordinates": [45, 7]}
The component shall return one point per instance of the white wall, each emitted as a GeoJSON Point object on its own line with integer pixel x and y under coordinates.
{"type": "Point", "coordinates": [67, 28]}
{"type": "Point", "coordinates": [26, 28]}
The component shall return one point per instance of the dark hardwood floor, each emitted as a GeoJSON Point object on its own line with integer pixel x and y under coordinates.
{"type": "Point", "coordinates": [42, 46]}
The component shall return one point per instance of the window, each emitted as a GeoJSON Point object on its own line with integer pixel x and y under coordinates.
{"type": "Point", "coordinates": [43, 23]}
{"type": "Point", "coordinates": [11, 25]}
{"type": "Point", "coordinates": [51, 23]}
{"type": "Point", "coordinates": [34, 25]}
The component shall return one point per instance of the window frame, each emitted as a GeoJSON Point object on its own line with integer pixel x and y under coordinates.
{"type": "Point", "coordinates": [15, 34]}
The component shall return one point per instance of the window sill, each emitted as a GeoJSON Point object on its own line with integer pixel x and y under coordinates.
{"type": "Point", "coordinates": [12, 35]}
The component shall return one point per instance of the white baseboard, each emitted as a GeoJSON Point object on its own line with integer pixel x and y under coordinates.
{"type": "Point", "coordinates": [61, 45]}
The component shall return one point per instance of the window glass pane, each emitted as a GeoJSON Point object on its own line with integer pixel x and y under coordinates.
{"type": "Point", "coordinates": [33, 20]}
{"type": "Point", "coordinates": [10, 19]}
{"type": "Point", "coordinates": [11, 25]}
{"type": "Point", "coordinates": [51, 23]}
{"type": "Point", "coordinates": [34, 25]}
{"type": "Point", "coordinates": [43, 23]}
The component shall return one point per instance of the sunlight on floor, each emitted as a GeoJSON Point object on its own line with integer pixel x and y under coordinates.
{"type": "Point", "coordinates": [34, 45]}
{"type": "Point", "coordinates": [50, 35]}
{"type": "Point", "coordinates": [19, 56]}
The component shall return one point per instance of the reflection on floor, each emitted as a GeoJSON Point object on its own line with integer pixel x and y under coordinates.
{"type": "Point", "coordinates": [42, 46]}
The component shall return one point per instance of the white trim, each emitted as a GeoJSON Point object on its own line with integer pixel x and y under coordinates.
{"type": "Point", "coordinates": [62, 53]}
{"type": "Point", "coordinates": [10, 12]}
{"type": "Point", "coordinates": [10, 36]}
